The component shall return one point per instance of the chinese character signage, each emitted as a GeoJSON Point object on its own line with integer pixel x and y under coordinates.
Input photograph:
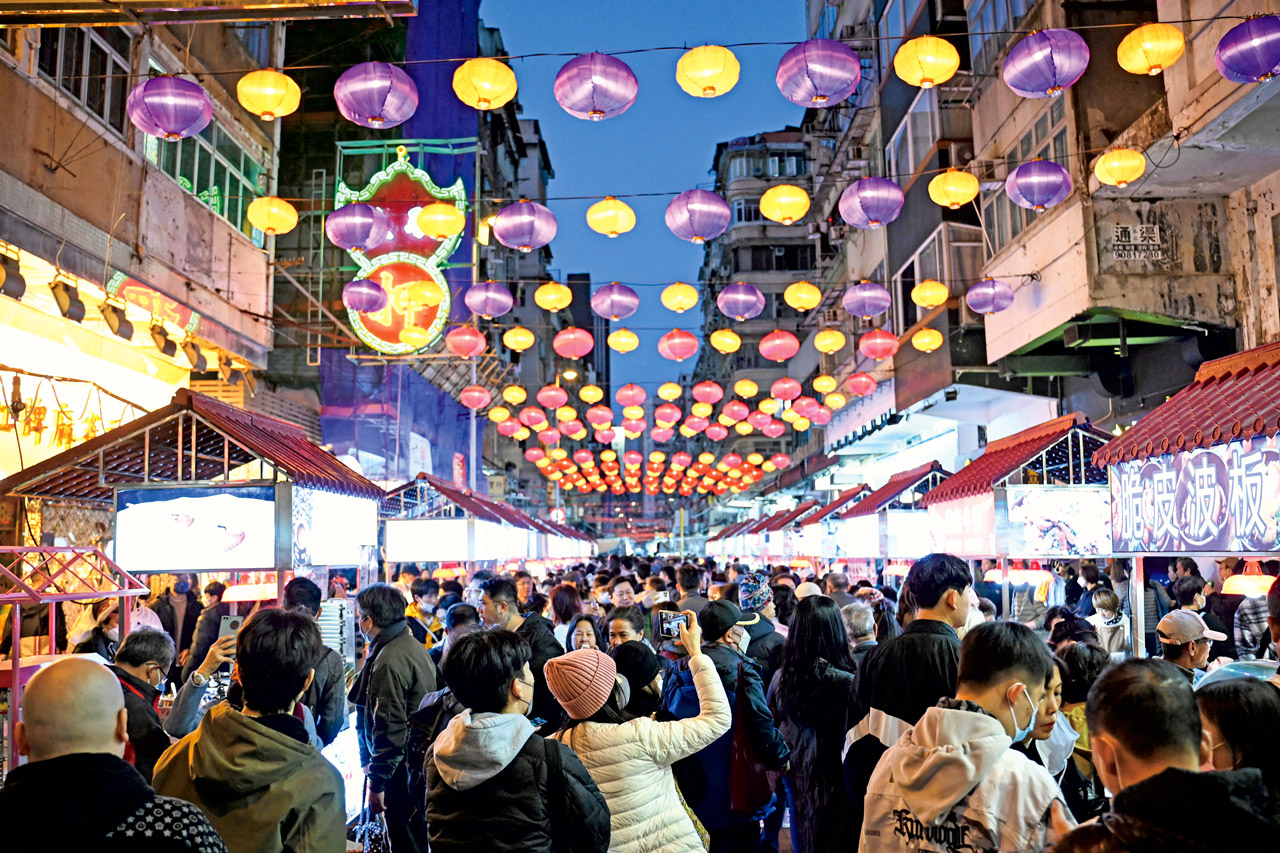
{"type": "Point", "coordinates": [153, 301]}
{"type": "Point", "coordinates": [1057, 521]}
{"type": "Point", "coordinates": [965, 527]}
{"type": "Point", "coordinates": [1222, 499]}
{"type": "Point", "coordinates": [1136, 242]}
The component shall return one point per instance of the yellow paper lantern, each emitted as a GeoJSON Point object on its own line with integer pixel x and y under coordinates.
{"type": "Point", "coordinates": [272, 215]}
{"type": "Point", "coordinates": [835, 400]}
{"type": "Point", "coordinates": [566, 413]}
{"type": "Point", "coordinates": [953, 188]}
{"type": "Point", "coordinates": [1150, 49]}
{"type": "Point", "coordinates": [633, 413]}
{"type": "Point", "coordinates": [802, 296]}
{"type": "Point", "coordinates": [784, 203]}
{"type": "Point", "coordinates": [425, 292]}
{"type": "Point", "coordinates": [829, 340]}
{"type": "Point", "coordinates": [930, 293]}
{"type": "Point", "coordinates": [669, 391]}
{"type": "Point", "coordinates": [268, 94]}
{"type": "Point", "coordinates": [706, 458]}
{"type": "Point", "coordinates": [610, 217]}
{"type": "Point", "coordinates": [687, 432]}
{"type": "Point", "coordinates": [926, 61]}
{"type": "Point", "coordinates": [700, 410]}
{"type": "Point", "coordinates": [552, 296]}
{"type": "Point", "coordinates": [441, 220]}
{"type": "Point", "coordinates": [543, 462]}
{"type": "Point", "coordinates": [1120, 167]}
{"type": "Point", "coordinates": [514, 394]}
{"type": "Point", "coordinates": [622, 340]}
{"type": "Point", "coordinates": [927, 340]}
{"type": "Point", "coordinates": [608, 455]}
{"type": "Point", "coordinates": [725, 341]}
{"type": "Point", "coordinates": [800, 424]}
{"type": "Point", "coordinates": [768, 467]}
{"type": "Point", "coordinates": [484, 83]}
{"type": "Point", "coordinates": [725, 420]}
{"type": "Point", "coordinates": [769, 406]}
{"type": "Point", "coordinates": [789, 415]}
{"type": "Point", "coordinates": [518, 339]}
{"type": "Point", "coordinates": [557, 453]}
{"type": "Point", "coordinates": [707, 71]}
{"type": "Point", "coordinates": [679, 297]}
{"type": "Point", "coordinates": [415, 336]}
{"type": "Point", "coordinates": [755, 459]}
{"type": "Point", "coordinates": [824, 383]}
{"type": "Point", "coordinates": [743, 428]}
{"type": "Point", "coordinates": [498, 414]}
{"type": "Point", "coordinates": [591, 394]}
{"type": "Point", "coordinates": [745, 388]}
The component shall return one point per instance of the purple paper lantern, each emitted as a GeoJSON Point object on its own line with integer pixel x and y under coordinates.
{"type": "Point", "coordinates": [1045, 62]}
{"type": "Point", "coordinates": [871, 202]}
{"type": "Point", "coordinates": [866, 299]}
{"type": "Point", "coordinates": [1250, 51]}
{"type": "Point", "coordinates": [364, 296]}
{"type": "Point", "coordinates": [615, 301]}
{"type": "Point", "coordinates": [595, 86]}
{"type": "Point", "coordinates": [525, 225]}
{"type": "Point", "coordinates": [1038, 184]}
{"type": "Point", "coordinates": [698, 215]}
{"type": "Point", "coordinates": [169, 107]}
{"type": "Point", "coordinates": [989, 296]}
{"type": "Point", "coordinates": [741, 301]}
{"type": "Point", "coordinates": [489, 299]}
{"type": "Point", "coordinates": [357, 226]}
{"type": "Point", "coordinates": [376, 94]}
{"type": "Point", "coordinates": [818, 73]}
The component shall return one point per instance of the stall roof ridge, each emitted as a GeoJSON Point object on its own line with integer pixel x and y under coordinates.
{"type": "Point", "coordinates": [788, 516]}
{"type": "Point", "coordinates": [1232, 398]}
{"type": "Point", "coordinates": [827, 509]}
{"type": "Point", "coordinates": [896, 485]}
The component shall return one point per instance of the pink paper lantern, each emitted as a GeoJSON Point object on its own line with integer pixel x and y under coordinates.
{"type": "Point", "coordinates": [861, 384]}
{"type": "Point", "coordinates": [821, 417]}
{"type": "Point", "coordinates": [668, 413]}
{"type": "Point", "coordinates": [630, 395]}
{"type": "Point", "coordinates": [759, 420]}
{"type": "Point", "coordinates": [535, 454]}
{"type": "Point", "coordinates": [708, 392]}
{"type": "Point", "coordinates": [552, 396]}
{"type": "Point", "coordinates": [774, 429]}
{"type": "Point", "coordinates": [475, 397]}
{"type": "Point", "coordinates": [551, 435]}
{"type": "Point", "coordinates": [677, 345]}
{"type": "Point", "coordinates": [785, 389]}
{"type": "Point", "coordinates": [878, 344]}
{"type": "Point", "coordinates": [779, 345]}
{"type": "Point", "coordinates": [532, 417]}
{"type": "Point", "coordinates": [598, 416]}
{"type": "Point", "coordinates": [805, 406]}
{"type": "Point", "coordinates": [662, 433]}
{"type": "Point", "coordinates": [717, 432]}
{"type": "Point", "coordinates": [735, 409]}
{"type": "Point", "coordinates": [573, 343]}
{"type": "Point", "coordinates": [605, 436]}
{"type": "Point", "coordinates": [697, 424]}
{"type": "Point", "coordinates": [634, 425]}
{"type": "Point", "coordinates": [583, 457]}
{"type": "Point", "coordinates": [508, 428]}
{"type": "Point", "coordinates": [780, 460]}
{"type": "Point", "coordinates": [465, 341]}
{"type": "Point", "coordinates": [733, 460]}
{"type": "Point", "coordinates": [632, 458]}
{"type": "Point", "coordinates": [681, 460]}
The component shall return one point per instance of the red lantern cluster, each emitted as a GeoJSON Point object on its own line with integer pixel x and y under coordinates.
{"type": "Point", "coordinates": [677, 475]}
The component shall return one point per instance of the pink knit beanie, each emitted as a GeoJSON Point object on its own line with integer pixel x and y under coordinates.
{"type": "Point", "coordinates": [581, 681]}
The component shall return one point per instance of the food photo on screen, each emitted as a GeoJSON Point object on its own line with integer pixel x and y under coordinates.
{"type": "Point", "coordinates": [197, 528]}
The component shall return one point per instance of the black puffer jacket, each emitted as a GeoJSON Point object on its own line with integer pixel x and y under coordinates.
{"type": "Point", "coordinates": [207, 628]}
{"type": "Point", "coordinates": [146, 733]}
{"type": "Point", "coordinates": [541, 637]}
{"type": "Point", "coordinates": [765, 648]}
{"type": "Point", "coordinates": [327, 695]}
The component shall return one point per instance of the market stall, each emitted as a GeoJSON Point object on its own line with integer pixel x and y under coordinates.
{"type": "Point", "coordinates": [1200, 475]}
{"type": "Point", "coordinates": [812, 530]}
{"type": "Point", "coordinates": [720, 545]}
{"type": "Point", "coordinates": [887, 528]}
{"type": "Point", "coordinates": [778, 537]}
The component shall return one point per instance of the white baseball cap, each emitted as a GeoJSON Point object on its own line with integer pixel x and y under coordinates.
{"type": "Point", "coordinates": [1179, 627]}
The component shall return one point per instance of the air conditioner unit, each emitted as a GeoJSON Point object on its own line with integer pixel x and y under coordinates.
{"type": "Point", "coordinates": [837, 232]}
{"type": "Point", "coordinates": [961, 154]}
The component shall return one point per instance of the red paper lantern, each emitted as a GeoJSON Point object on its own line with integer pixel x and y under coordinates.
{"type": "Point", "coordinates": [733, 460]}
{"type": "Point", "coordinates": [573, 428]}
{"type": "Point", "coordinates": [475, 397]}
{"type": "Point", "coordinates": [774, 429]}
{"type": "Point", "coordinates": [662, 434]}
{"type": "Point", "coordinates": [780, 460]}
{"type": "Point", "coordinates": [677, 345]}
{"type": "Point", "coordinates": [632, 457]}
{"type": "Point", "coordinates": [716, 432]}
{"type": "Point", "coordinates": [696, 424]}
{"type": "Point", "coordinates": [549, 436]}
{"type": "Point", "coordinates": [735, 409]}
{"type": "Point", "coordinates": [785, 388]}
{"type": "Point", "coordinates": [552, 396]}
{"type": "Point", "coordinates": [532, 416]}
{"type": "Point", "coordinates": [708, 392]}
{"type": "Point", "coordinates": [630, 395]}
{"type": "Point", "coordinates": [878, 344]}
{"type": "Point", "coordinates": [583, 457]}
{"type": "Point", "coordinates": [605, 436]}
{"type": "Point", "coordinates": [681, 460]}
{"type": "Point", "coordinates": [573, 343]}
{"type": "Point", "coordinates": [634, 425]}
{"type": "Point", "coordinates": [861, 384]}
{"type": "Point", "coordinates": [668, 413]}
{"type": "Point", "coordinates": [821, 417]}
{"type": "Point", "coordinates": [805, 406]}
{"type": "Point", "coordinates": [533, 454]}
{"type": "Point", "coordinates": [779, 345]}
{"type": "Point", "coordinates": [598, 416]}
{"type": "Point", "coordinates": [465, 341]}
{"type": "Point", "coordinates": [509, 428]}
{"type": "Point", "coordinates": [759, 420]}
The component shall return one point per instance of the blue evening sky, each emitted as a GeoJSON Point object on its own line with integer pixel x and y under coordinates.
{"type": "Point", "coordinates": [664, 143]}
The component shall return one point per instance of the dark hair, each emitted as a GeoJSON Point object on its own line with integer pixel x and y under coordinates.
{"type": "Point", "coordinates": [1186, 589]}
{"type": "Point", "coordinates": [997, 650]}
{"type": "Point", "coordinates": [536, 604]}
{"type": "Point", "coordinates": [1085, 662]}
{"type": "Point", "coordinates": [784, 603]}
{"type": "Point", "coordinates": [146, 644]}
{"type": "Point", "coordinates": [837, 581]}
{"type": "Point", "coordinates": [1146, 704]}
{"type": "Point", "coordinates": [460, 615]}
{"type": "Point", "coordinates": [934, 576]}
{"type": "Point", "coordinates": [632, 615]}
{"type": "Point", "coordinates": [452, 587]}
{"type": "Point", "coordinates": [479, 576]}
{"type": "Point", "coordinates": [382, 603]}
{"type": "Point", "coordinates": [1273, 601]}
{"type": "Point", "coordinates": [1072, 629]}
{"type": "Point", "coordinates": [1271, 567]}
{"type": "Point", "coordinates": [654, 583]}
{"type": "Point", "coordinates": [729, 592]}
{"type": "Point", "coordinates": [887, 625]}
{"type": "Point", "coordinates": [425, 588]}
{"type": "Point", "coordinates": [595, 629]}
{"type": "Point", "coordinates": [302, 592]}
{"type": "Point", "coordinates": [276, 650]}
{"type": "Point", "coordinates": [448, 600]}
{"type": "Point", "coordinates": [500, 589]}
{"type": "Point", "coordinates": [988, 607]}
{"type": "Point", "coordinates": [408, 569]}
{"type": "Point", "coordinates": [688, 578]}
{"type": "Point", "coordinates": [620, 580]}
{"type": "Point", "coordinates": [521, 574]}
{"type": "Point", "coordinates": [905, 606]}
{"type": "Point", "coordinates": [1057, 611]}
{"type": "Point", "coordinates": [1247, 712]}
{"type": "Point", "coordinates": [565, 603]}
{"type": "Point", "coordinates": [1090, 573]}
{"type": "Point", "coordinates": [215, 588]}
{"type": "Point", "coordinates": [1190, 565]}
{"type": "Point", "coordinates": [481, 665]}
{"type": "Point", "coordinates": [817, 634]}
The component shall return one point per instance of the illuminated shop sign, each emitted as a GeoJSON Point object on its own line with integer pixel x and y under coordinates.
{"type": "Point", "coordinates": [149, 299]}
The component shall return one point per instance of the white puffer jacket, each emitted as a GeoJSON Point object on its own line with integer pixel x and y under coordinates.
{"type": "Point", "coordinates": [631, 765]}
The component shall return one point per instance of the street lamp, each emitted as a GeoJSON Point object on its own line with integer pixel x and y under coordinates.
{"type": "Point", "coordinates": [570, 374]}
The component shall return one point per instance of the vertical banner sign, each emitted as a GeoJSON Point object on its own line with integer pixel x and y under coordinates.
{"type": "Point", "coordinates": [459, 470]}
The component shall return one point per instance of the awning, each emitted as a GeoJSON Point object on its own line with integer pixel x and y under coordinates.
{"type": "Point", "coordinates": [758, 525]}
{"type": "Point", "coordinates": [781, 521]}
{"type": "Point", "coordinates": [897, 484]}
{"type": "Point", "coordinates": [193, 439]}
{"type": "Point", "coordinates": [1008, 455]}
{"type": "Point", "coordinates": [836, 505]}
{"type": "Point", "coordinates": [807, 467]}
{"type": "Point", "coordinates": [732, 529]}
{"type": "Point", "coordinates": [1232, 398]}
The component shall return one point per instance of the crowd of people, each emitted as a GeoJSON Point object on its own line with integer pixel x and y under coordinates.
{"type": "Point", "coordinates": [669, 705]}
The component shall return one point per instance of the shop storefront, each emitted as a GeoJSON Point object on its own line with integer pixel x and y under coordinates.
{"type": "Point", "coordinates": [887, 528]}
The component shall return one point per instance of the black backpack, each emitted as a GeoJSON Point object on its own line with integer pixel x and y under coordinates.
{"type": "Point", "coordinates": [425, 725]}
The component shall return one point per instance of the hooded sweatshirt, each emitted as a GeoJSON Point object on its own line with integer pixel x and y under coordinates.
{"type": "Point", "coordinates": [951, 783]}
{"type": "Point", "coordinates": [262, 789]}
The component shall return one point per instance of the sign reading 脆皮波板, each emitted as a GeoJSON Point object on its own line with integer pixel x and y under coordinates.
{"type": "Point", "coordinates": [1221, 499]}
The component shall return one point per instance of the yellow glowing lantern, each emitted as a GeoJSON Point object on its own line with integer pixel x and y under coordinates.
{"type": "Point", "coordinates": [441, 220]}
{"type": "Point", "coordinates": [484, 83]}
{"type": "Point", "coordinates": [829, 340]}
{"type": "Point", "coordinates": [415, 336]}
{"type": "Point", "coordinates": [706, 458]}
{"type": "Point", "coordinates": [824, 383]}
{"type": "Point", "coordinates": [679, 297]}
{"type": "Point", "coordinates": [518, 339]}
{"type": "Point", "coordinates": [953, 188]}
{"type": "Point", "coordinates": [272, 215]}
{"type": "Point", "coordinates": [707, 71]}
{"type": "Point", "coordinates": [926, 61]}
{"type": "Point", "coordinates": [610, 217]}
{"type": "Point", "coordinates": [669, 391]}
{"type": "Point", "coordinates": [1120, 167]}
{"type": "Point", "coordinates": [769, 406]}
{"type": "Point", "coordinates": [835, 400]}
{"type": "Point", "coordinates": [608, 455]}
{"type": "Point", "coordinates": [927, 340]}
{"type": "Point", "coordinates": [591, 394]}
{"type": "Point", "coordinates": [552, 296]}
{"type": "Point", "coordinates": [801, 424]}
{"type": "Point", "coordinates": [544, 462]}
{"type": "Point", "coordinates": [789, 415]}
{"type": "Point", "coordinates": [725, 420]}
{"type": "Point", "coordinates": [657, 456]}
{"type": "Point", "coordinates": [700, 410]}
{"type": "Point", "coordinates": [687, 432]}
{"type": "Point", "coordinates": [802, 296]}
{"type": "Point", "coordinates": [930, 293]}
{"type": "Point", "coordinates": [745, 388]}
{"type": "Point", "coordinates": [1150, 49]}
{"type": "Point", "coordinates": [554, 476]}
{"type": "Point", "coordinates": [268, 94]}
{"type": "Point", "coordinates": [514, 394]}
{"type": "Point", "coordinates": [426, 293]}
{"type": "Point", "coordinates": [755, 459]}
{"type": "Point", "coordinates": [623, 340]}
{"type": "Point", "coordinates": [768, 467]}
{"type": "Point", "coordinates": [633, 413]}
{"type": "Point", "coordinates": [566, 413]}
{"type": "Point", "coordinates": [784, 203]}
{"type": "Point", "coordinates": [558, 453]}
{"type": "Point", "coordinates": [743, 428]}
{"type": "Point", "coordinates": [498, 414]}
{"type": "Point", "coordinates": [725, 341]}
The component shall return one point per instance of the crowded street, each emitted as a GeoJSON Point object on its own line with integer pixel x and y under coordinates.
{"type": "Point", "coordinates": [753, 426]}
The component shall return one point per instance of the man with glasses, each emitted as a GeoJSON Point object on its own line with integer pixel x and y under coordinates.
{"type": "Point", "coordinates": [141, 664]}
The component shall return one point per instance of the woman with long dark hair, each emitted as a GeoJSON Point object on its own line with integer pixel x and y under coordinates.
{"type": "Point", "coordinates": [812, 701]}
{"type": "Point", "coordinates": [1241, 716]}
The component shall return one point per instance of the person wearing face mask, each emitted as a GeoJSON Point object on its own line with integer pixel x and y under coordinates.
{"type": "Point", "coordinates": [141, 665]}
{"type": "Point", "coordinates": [1187, 641]}
{"type": "Point", "coordinates": [178, 608]}
{"type": "Point", "coordinates": [1188, 594]}
{"type": "Point", "coordinates": [1241, 717]}
{"type": "Point", "coordinates": [499, 609]}
{"type": "Point", "coordinates": [1052, 743]}
{"type": "Point", "coordinates": [208, 626]}
{"type": "Point", "coordinates": [105, 636]}
{"type": "Point", "coordinates": [643, 670]}
{"type": "Point", "coordinates": [952, 782]}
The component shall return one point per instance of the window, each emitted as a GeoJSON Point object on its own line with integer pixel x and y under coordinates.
{"type": "Point", "coordinates": [1046, 139]}
{"type": "Point", "coordinates": [92, 66]}
{"type": "Point", "coordinates": [739, 167]}
{"type": "Point", "coordinates": [914, 139]}
{"type": "Point", "coordinates": [989, 24]}
{"type": "Point", "coordinates": [784, 166]}
{"type": "Point", "coordinates": [794, 258]}
{"type": "Point", "coordinates": [827, 22]}
{"type": "Point", "coordinates": [256, 39]}
{"type": "Point", "coordinates": [892, 27]}
{"type": "Point", "coordinates": [746, 210]}
{"type": "Point", "coordinates": [927, 263]}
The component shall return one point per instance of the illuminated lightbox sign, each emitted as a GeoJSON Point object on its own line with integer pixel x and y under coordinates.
{"type": "Point", "coordinates": [965, 527]}
{"type": "Point", "coordinates": [195, 529]}
{"type": "Point", "coordinates": [1056, 521]}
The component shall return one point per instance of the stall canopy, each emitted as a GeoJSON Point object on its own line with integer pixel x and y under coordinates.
{"type": "Point", "coordinates": [835, 506]}
{"type": "Point", "coordinates": [759, 525]}
{"type": "Point", "coordinates": [781, 520]}
{"type": "Point", "coordinates": [918, 481]}
{"type": "Point", "coordinates": [732, 530]}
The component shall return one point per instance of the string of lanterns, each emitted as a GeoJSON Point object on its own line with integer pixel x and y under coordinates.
{"type": "Point", "coordinates": [679, 474]}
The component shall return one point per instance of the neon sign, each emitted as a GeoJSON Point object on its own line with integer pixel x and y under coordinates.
{"type": "Point", "coordinates": [153, 301]}
{"type": "Point", "coordinates": [408, 263]}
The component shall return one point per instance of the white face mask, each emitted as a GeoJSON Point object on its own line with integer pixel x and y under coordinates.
{"type": "Point", "coordinates": [113, 634]}
{"type": "Point", "coordinates": [744, 641]}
